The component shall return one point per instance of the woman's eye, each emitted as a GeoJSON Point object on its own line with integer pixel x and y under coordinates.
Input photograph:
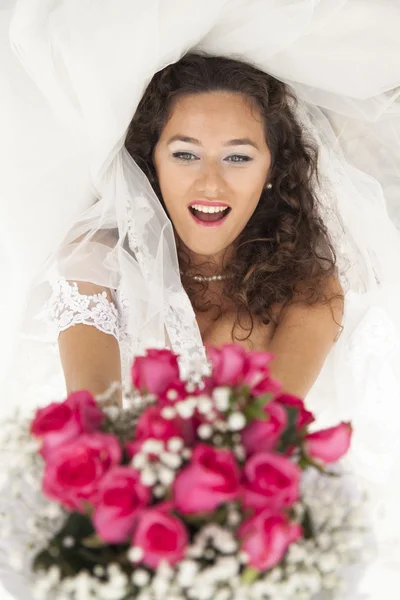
{"type": "Point", "coordinates": [239, 158]}
{"type": "Point", "coordinates": [186, 156]}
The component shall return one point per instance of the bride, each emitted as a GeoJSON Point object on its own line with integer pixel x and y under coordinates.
{"type": "Point", "coordinates": [211, 176]}
{"type": "Point", "coordinates": [230, 165]}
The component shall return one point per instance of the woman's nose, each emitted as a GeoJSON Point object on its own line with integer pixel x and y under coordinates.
{"type": "Point", "coordinates": [210, 181]}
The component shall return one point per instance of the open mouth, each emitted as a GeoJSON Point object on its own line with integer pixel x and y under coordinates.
{"type": "Point", "coordinates": [209, 217]}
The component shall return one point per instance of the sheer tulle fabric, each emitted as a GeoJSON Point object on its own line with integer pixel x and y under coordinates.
{"type": "Point", "coordinates": [75, 206]}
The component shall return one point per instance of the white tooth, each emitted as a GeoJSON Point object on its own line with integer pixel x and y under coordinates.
{"type": "Point", "coordinates": [209, 209]}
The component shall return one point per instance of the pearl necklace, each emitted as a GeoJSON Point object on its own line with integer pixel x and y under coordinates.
{"type": "Point", "coordinates": [206, 278]}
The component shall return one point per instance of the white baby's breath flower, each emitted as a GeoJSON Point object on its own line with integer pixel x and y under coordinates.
{"type": "Point", "coordinates": [233, 518]}
{"type": "Point", "coordinates": [175, 444]}
{"type": "Point", "coordinates": [148, 476]}
{"type": "Point", "coordinates": [171, 460]}
{"type": "Point", "coordinates": [99, 570]}
{"type": "Point", "coordinates": [140, 577]}
{"type": "Point", "coordinates": [243, 557]}
{"type": "Point", "coordinates": [236, 421]}
{"type": "Point", "coordinates": [240, 452]}
{"type": "Point", "coordinates": [172, 394]}
{"type": "Point", "coordinates": [135, 554]}
{"type": "Point", "coordinates": [185, 408]}
{"type": "Point", "coordinates": [187, 569]}
{"type": "Point", "coordinates": [159, 491]}
{"type": "Point", "coordinates": [330, 581]}
{"type": "Point", "coordinates": [223, 594]}
{"type": "Point", "coordinates": [68, 541]}
{"type": "Point", "coordinates": [204, 404]}
{"type": "Point", "coordinates": [221, 396]}
{"type": "Point", "coordinates": [152, 446]}
{"type": "Point", "coordinates": [139, 461]}
{"type": "Point", "coordinates": [204, 431]}
{"type": "Point", "coordinates": [166, 476]}
{"type": "Point", "coordinates": [328, 562]}
{"type": "Point", "coordinates": [168, 412]}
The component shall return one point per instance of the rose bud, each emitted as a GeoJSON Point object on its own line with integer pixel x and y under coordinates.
{"type": "Point", "coordinates": [60, 422]}
{"type": "Point", "coordinates": [304, 417]}
{"type": "Point", "coordinates": [263, 435]}
{"type": "Point", "coordinates": [154, 372]}
{"type": "Point", "coordinates": [121, 495]}
{"type": "Point", "coordinates": [329, 445]}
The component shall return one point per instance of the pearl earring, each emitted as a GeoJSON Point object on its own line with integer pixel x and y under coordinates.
{"type": "Point", "coordinates": [268, 186]}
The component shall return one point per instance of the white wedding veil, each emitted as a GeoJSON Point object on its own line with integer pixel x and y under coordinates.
{"type": "Point", "coordinates": [75, 205]}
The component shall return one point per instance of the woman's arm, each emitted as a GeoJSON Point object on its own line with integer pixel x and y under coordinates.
{"type": "Point", "coordinates": [303, 340]}
{"type": "Point", "coordinates": [90, 357]}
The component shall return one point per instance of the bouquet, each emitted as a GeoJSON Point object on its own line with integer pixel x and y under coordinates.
{"type": "Point", "coordinates": [217, 490]}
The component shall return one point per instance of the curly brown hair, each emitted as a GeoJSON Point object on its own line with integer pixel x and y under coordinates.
{"type": "Point", "coordinates": [284, 253]}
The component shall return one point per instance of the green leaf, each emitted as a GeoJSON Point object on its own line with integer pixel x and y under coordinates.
{"type": "Point", "coordinates": [256, 409]}
{"type": "Point", "coordinates": [308, 526]}
{"type": "Point", "coordinates": [93, 541]}
{"type": "Point", "coordinates": [265, 398]}
{"type": "Point", "coordinates": [250, 575]}
{"type": "Point", "coordinates": [307, 461]}
{"type": "Point", "coordinates": [253, 412]}
{"type": "Point", "coordinates": [290, 436]}
{"type": "Point", "coordinates": [78, 526]}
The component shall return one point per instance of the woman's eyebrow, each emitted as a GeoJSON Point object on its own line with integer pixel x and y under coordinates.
{"type": "Point", "coordinates": [235, 142]}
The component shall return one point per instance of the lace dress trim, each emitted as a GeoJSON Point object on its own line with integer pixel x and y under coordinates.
{"type": "Point", "coordinates": [67, 306]}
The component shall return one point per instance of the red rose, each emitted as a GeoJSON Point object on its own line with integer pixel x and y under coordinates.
{"type": "Point", "coordinates": [74, 472]}
{"type": "Point", "coordinates": [304, 416]}
{"type": "Point", "coordinates": [61, 422]}
{"type": "Point", "coordinates": [266, 538]}
{"type": "Point", "coordinates": [161, 536]}
{"type": "Point", "coordinates": [121, 495]}
{"type": "Point", "coordinates": [211, 478]}
{"type": "Point", "coordinates": [259, 435]}
{"type": "Point", "coordinates": [329, 445]}
{"type": "Point", "coordinates": [270, 481]}
{"type": "Point", "coordinates": [234, 366]}
{"type": "Point", "coordinates": [155, 372]}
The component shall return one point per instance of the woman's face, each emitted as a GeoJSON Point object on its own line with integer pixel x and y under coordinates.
{"type": "Point", "coordinates": [212, 152]}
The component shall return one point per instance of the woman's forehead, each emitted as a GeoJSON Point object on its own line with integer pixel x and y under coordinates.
{"type": "Point", "coordinates": [230, 115]}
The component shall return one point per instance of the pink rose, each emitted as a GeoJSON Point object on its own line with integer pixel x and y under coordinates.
{"type": "Point", "coordinates": [121, 495]}
{"type": "Point", "coordinates": [161, 536]}
{"type": "Point", "coordinates": [74, 472]}
{"type": "Point", "coordinates": [151, 424]}
{"type": "Point", "coordinates": [259, 435]}
{"type": "Point", "coordinates": [270, 481]}
{"type": "Point", "coordinates": [266, 538]}
{"type": "Point", "coordinates": [227, 364]}
{"type": "Point", "coordinates": [156, 371]}
{"type": "Point", "coordinates": [211, 478]}
{"type": "Point", "coordinates": [329, 445]}
{"type": "Point", "coordinates": [304, 416]}
{"type": "Point", "coordinates": [234, 366]}
{"type": "Point", "coordinates": [60, 422]}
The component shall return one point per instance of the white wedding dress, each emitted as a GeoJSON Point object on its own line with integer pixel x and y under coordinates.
{"type": "Point", "coordinates": [75, 207]}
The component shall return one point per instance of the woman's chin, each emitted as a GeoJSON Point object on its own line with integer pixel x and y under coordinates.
{"type": "Point", "coordinates": [204, 250]}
